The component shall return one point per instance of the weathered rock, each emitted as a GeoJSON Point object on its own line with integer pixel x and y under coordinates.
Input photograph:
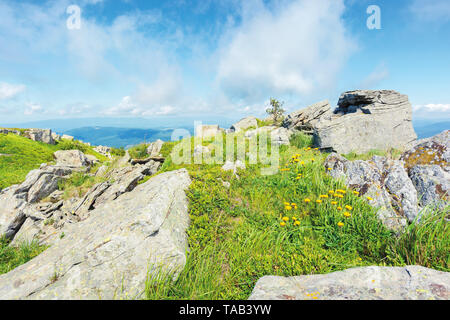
{"type": "Point", "coordinates": [67, 137]}
{"type": "Point", "coordinates": [27, 233]}
{"type": "Point", "coordinates": [111, 254]}
{"type": "Point", "coordinates": [11, 211]}
{"type": "Point", "coordinates": [432, 184]}
{"type": "Point", "coordinates": [383, 180]}
{"type": "Point", "coordinates": [101, 171]}
{"type": "Point", "coordinates": [91, 159]}
{"type": "Point", "coordinates": [206, 131]}
{"type": "Point", "coordinates": [44, 186]}
{"type": "Point", "coordinates": [55, 136]}
{"type": "Point", "coordinates": [364, 283]}
{"type": "Point", "coordinates": [366, 120]}
{"type": "Point", "coordinates": [41, 135]}
{"type": "Point", "coordinates": [244, 124]}
{"type": "Point", "coordinates": [307, 118]}
{"type": "Point", "coordinates": [281, 136]}
{"type": "Point", "coordinates": [252, 133]}
{"type": "Point", "coordinates": [12, 131]}
{"type": "Point", "coordinates": [70, 158]}
{"type": "Point", "coordinates": [430, 151]}
{"type": "Point", "coordinates": [154, 148]}
{"type": "Point", "coordinates": [106, 151]}
{"type": "Point", "coordinates": [199, 150]}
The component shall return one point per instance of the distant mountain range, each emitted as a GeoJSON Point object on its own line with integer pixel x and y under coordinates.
{"type": "Point", "coordinates": [119, 137]}
{"type": "Point", "coordinates": [126, 132]}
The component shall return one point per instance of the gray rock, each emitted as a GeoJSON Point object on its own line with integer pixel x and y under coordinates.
{"type": "Point", "coordinates": [154, 148]}
{"type": "Point", "coordinates": [366, 120]}
{"type": "Point", "coordinates": [207, 131]}
{"type": "Point", "coordinates": [432, 184]}
{"type": "Point", "coordinates": [281, 136]}
{"type": "Point", "coordinates": [67, 137]}
{"type": "Point", "coordinates": [383, 180]}
{"type": "Point", "coordinates": [307, 118]}
{"type": "Point", "coordinates": [254, 132]}
{"type": "Point", "coordinates": [41, 135]}
{"type": "Point", "coordinates": [111, 254]}
{"type": "Point", "coordinates": [92, 160]}
{"type": "Point", "coordinates": [106, 151]}
{"type": "Point", "coordinates": [244, 124]}
{"type": "Point", "coordinates": [430, 151]}
{"type": "Point", "coordinates": [70, 158]}
{"type": "Point", "coordinates": [364, 283]}
{"type": "Point", "coordinates": [27, 233]}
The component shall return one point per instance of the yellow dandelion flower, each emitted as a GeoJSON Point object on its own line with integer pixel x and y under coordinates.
{"type": "Point", "coordinates": [286, 219]}
{"type": "Point", "coordinates": [294, 218]}
{"type": "Point", "coordinates": [339, 208]}
{"type": "Point", "coordinates": [356, 193]}
{"type": "Point", "coordinates": [296, 223]}
{"type": "Point", "coordinates": [348, 207]}
{"type": "Point", "coordinates": [334, 203]}
{"type": "Point", "coordinates": [307, 200]}
{"type": "Point", "coordinates": [323, 196]}
{"type": "Point", "coordinates": [282, 224]}
{"type": "Point", "coordinates": [347, 214]}
{"type": "Point", "coordinates": [288, 208]}
{"type": "Point", "coordinates": [329, 169]}
{"type": "Point", "coordinates": [286, 203]}
{"type": "Point", "coordinates": [331, 192]}
{"type": "Point", "coordinates": [340, 224]}
{"type": "Point", "coordinates": [318, 201]}
{"type": "Point", "coordinates": [369, 198]}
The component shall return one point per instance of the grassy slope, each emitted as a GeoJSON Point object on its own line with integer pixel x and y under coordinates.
{"type": "Point", "coordinates": [236, 236]}
{"type": "Point", "coordinates": [24, 155]}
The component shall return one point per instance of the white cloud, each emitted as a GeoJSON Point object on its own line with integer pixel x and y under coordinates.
{"type": "Point", "coordinates": [432, 107]}
{"type": "Point", "coordinates": [431, 10]}
{"type": "Point", "coordinates": [380, 73]}
{"type": "Point", "coordinates": [296, 48]}
{"type": "Point", "coordinates": [33, 108]}
{"type": "Point", "coordinates": [8, 91]}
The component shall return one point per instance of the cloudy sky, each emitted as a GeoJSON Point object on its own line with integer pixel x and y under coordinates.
{"type": "Point", "coordinates": [145, 58]}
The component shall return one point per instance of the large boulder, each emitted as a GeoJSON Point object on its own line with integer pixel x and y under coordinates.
{"type": "Point", "coordinates": [112, 253]}
{"type": "Point", "coordinates": [207, 131]}
{"type": "Point", "coordinates": [15, 200]}
{"type": "Point", "coordinates": [154, 148]}
{"type": "Point", "coordinates": [244, 124]}
{"type": "Point", "coordinates": [382, 180]}
{"type": "Point", "coordinates": [71, 158]}
{"type": "Point", "coordinates": [41, 135]}
{"type": "Point", "coordinates": [363, 283]}
{"type": "Point", "coordinates": [278, 135]}
{"type": "Point", "coordinates": [366, 120]}
{"type": "Point", "coordinates": [306, 119]}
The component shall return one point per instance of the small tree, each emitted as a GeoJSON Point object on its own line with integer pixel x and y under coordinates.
{"type": "Point", "coordinates": [276, 110]}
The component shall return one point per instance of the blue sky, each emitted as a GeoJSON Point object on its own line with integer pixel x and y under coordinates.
{"type": "Point", "coordinates": [216, 58]}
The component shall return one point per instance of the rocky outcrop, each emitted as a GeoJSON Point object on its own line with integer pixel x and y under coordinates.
{"type": "Point", "coordinates": [244, 124]}
{"type": "Point", "coordinates": [67, 137]}
{"type": "Point", "coordinates": [278, 135]}
{"type": "Point", "coordinates": [15, 200]}
{"type": "Point", "coordinates": [106, 151]}
{"type": "Point", "coordinates": [207, 131]}
{"type": "Point", "coordinates": [154, 149]}
{"type": "Point", "coordinates": [42, 135]}
{"type": "Point", "coordinates": [112, 253]}
{"type": "Point", "coordinates": [364, 283]}
{"type": "Point", "coordinates": [428, 165]}
{"type": "Point", "coordinates": [385, 182]}
{"type": "Point", "coordinates": [306, 119]}
{"type": "Point", "coordinates": [366, 120]}
{"type": "Point", "coordinates": [71, 158]}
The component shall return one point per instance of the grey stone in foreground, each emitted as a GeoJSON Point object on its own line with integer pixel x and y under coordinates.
{"type": "Point", "coordinates": [367, 120]}
{"type": "Point", "coordinates": [364, 283]}
{"type": "Point", "coordinates": [307, 118]}
{"type": "Point", "coordinates": [71, 158]}
{"type": "Point", "coordinates": [244, 124]}
{"type": "Point", "coordinates": [111, 253]}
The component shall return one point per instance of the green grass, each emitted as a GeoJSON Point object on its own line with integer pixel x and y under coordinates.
{"type": "Point", "coordinates": [391, 154]}
{"type": "Point", "coordinates": [235, 235]}
{"type": "Point", "coordinates": [21, 155]}
{"type": "Point", "coordinates": [11, 257]}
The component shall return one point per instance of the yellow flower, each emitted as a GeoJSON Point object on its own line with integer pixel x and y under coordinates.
{"type": "Point", "coordinates": [283, 224]}
{"type": "Point", "coordinates": [302, 163]}
{"type": "Point", "coordinates": [286, 203]}
{"type": "Point", "coordinates": [348, 207]}
{"type": "Point", "coordinates": [307, 200]}
{"type": "Point", "coordinates": [312, 160]}
{"type": "Point", "coordinates": [331, 192]}
{"type": "Point", "coordinates": [294, 218]}
{"type": "Point", "coordinates": [286, 219]}
{"type": "Point", "coordinates": [319, 201]}
{"type": "Point", "coordinates": [356, 192]}
{"type": "Point", "coordinates": [339, 208]}
{"type": "Point", "coordinates": [340, 224]}
{"type": "Point", "coordinates": [316, 148]}
{"type": "Point", "coordinates": [288, 208]}
{"type": "Point", "coordinates": [369, 198]}
{"type": "Point", "coordinates": [341, 191]}
{"type": "Point", "coordinates": [347, 214]}
{"type": "Point", "coordinates": [340, 196]}
{"type": "Point", "coordinates": [323, 196]}
{"type": "Point", "coordinates": [296, 223]}
{"type": "Point", "coordinates": [329, 169]}
{"type": "Point", "coordinates": [334, 203]}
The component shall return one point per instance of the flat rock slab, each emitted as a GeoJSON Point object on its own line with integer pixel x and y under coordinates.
{"type": "Point", "coordinates": [112, 253]}
{"type": "Point", "coordinates": [364, 283]}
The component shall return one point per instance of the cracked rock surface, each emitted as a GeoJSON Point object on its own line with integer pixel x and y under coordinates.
{"type": "Point", "coordinates": [111, 253]}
